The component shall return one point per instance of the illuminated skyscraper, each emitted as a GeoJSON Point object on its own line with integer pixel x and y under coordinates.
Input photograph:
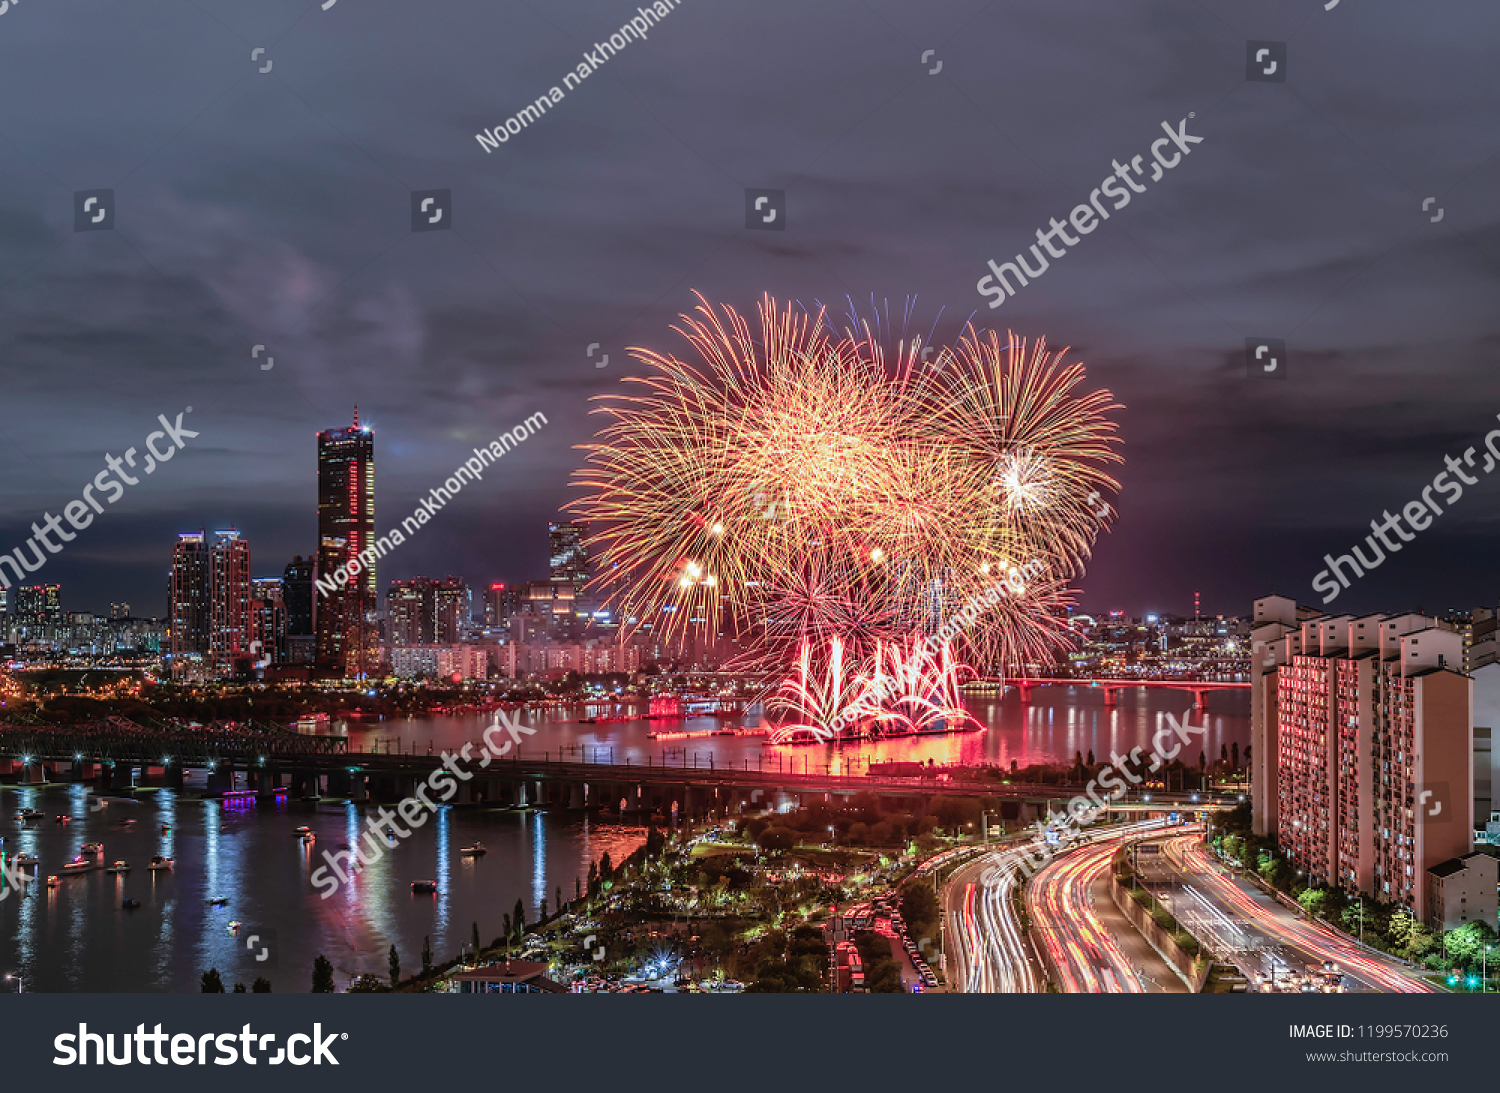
{"type": "Point", "coordinates": [570, 557]}
{"type": "Point", "coordinates": [188, 608]}
{"type": "Point", "coordinates": [229, 602]}
{"type": "Point", "coordinates": [348, 633]}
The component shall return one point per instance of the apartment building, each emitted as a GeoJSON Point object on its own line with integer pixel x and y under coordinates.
{"type": "Point", "coordinates": [1362, 747]}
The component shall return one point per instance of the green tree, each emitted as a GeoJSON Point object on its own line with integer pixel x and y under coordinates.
{"type": "Point", "coordinates": [519, 920]}
{"type": "Point", "coordinates": [1466, 942]}
{"type": "Point", "coordinates": [476, 941]}
{"type": "Point", "coordinates": [262, 985]}
{"type": "Point", "coordinates": [1313, 901]}
{"type": "Point", "coordinates": [560, 899]}
{"type": "Point", "coordinates": [212, 984]}
{"type": "Point", "coordinates": [393, 960]}
{"type": "Point", "coordinates": [606, 870]}
{"type": "Point", "coordinates": [239, 988]}
{"type": "Point", "coordinates": [322, 977]}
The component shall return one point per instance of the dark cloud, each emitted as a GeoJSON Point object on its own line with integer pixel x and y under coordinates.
{"type": "Point", "coordinates": [274, 209]}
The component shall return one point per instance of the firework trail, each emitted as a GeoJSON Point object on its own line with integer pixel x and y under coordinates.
{"type": "Point", "coordinates": [840, 496]}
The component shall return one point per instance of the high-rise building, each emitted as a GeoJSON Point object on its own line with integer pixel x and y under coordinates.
{"type": "Point", "coordinates": [567, 542]}
{"type": "Point", "coordinates": [267, 621]}
{"type": "Point", "coordinates": [39, 605]}
{"type": "Point", "coordinates": [229, 602]}
{"type": "Point", "coordinates": [500, 604]}
{"type": "Point", "coordinates": [348, 636]}
{"type": "Point", "coordinates": [301, 608]}
{"type": "Point", "coordinates": [1362, 747]}
{"type": "Point", "coordinates": [188, 605]}
{"type": "Point", "coordinates": [423, 611]}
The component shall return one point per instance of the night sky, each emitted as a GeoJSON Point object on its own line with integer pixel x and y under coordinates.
{"type": "Point", "coordinates": [274, 208]}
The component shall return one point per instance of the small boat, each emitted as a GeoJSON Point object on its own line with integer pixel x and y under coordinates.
{"type": "Point", "coordinates": [309, 839]}
{"type": "Point", "coordinates": [302, 831]}
{"type": "Point", "coordinates": [234, 925]}
{"type": "Point", "coordinates": [165, 828]}
{"type": "Point", "coordinates": [79, 864]}
{"type": "Point", "coordinates": [131, 904]}
{"type": "Point", "coordinates": [61, 819]}
{"type": "Point", "coordinates": [118, 867]}
{"type": "Point", "coordinates": [158, 864]}
{"type": "Point", "coordinates": [473, 851]}
{"type": "Point", "coordinates": [52, 882]}
{"type": "Point", "coordinates": [28, 815]}
{"type": "Point", "coordinates": [219, 901]}
{"type": "Point", "coordinates": [91, 848]}
{"type": "Point", "coordinates": [424, 886]}
{"type": "Point", "coordinates": [23, 860]}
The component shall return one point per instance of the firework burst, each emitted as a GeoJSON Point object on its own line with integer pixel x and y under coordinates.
{"type": "Point", "coordinates": [842, 497]}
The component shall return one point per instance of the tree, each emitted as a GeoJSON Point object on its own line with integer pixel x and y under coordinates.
{"type": "Point", "coordinates": [560, 899]}
{"type": "Point", "coordinates": [239, 988]}
{"type": "Point", "coordinates": [262, 985]}
{"type": "Point", "coordinates": [507, 933]}
{"type": "Point", "coordinates": [1234, 756]}
{"type": "Point", "coordinates": [1313, 901]}
{"type": "Point", "coordinates": [426, 954]}
{"type": "Point", "coordinates": [606, 870]}
{"type": "Point", "coordinates": [393, 960]}
{"type": "Point", "coordinates": [476, 941]}
{"type": "Point", "coordinates": [322, 976]}
{"type": "Point", "coordinates": [212, 984]}
{"type": "Point", "coordinates": [577, 888]}
{"type": "Point", "coordinates": [542, 914]}
{"type": "Point", "coordinates": [519, 920]}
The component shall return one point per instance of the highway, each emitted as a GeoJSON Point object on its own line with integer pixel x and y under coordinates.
{"type": "Point", "coordinates": [1263, 936]}
{"type": "Point", "coordinates": [990, 952]}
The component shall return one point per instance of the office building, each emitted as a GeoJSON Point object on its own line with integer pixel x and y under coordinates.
{"type": "Point", "coordinates": [348, 639]}
{"type": "Point", "coordinates": [1362, 747]}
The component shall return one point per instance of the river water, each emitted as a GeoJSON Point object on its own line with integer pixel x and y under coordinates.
{"type": "Point", "coordinates": [78, 937]}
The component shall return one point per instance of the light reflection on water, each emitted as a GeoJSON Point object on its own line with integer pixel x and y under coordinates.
{"type": "Point", "coordinates": [78, 938]}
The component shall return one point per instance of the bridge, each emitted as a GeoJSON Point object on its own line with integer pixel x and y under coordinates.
{"type": "Point", "coordinates": [1112, 687]}
{"type": "Point", "coordinates": [573, 778]}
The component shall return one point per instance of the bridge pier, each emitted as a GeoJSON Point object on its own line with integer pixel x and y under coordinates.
{"type": "Point", "coordinates": [172, 775]}
{"type": "Point", "coordinates": [339, 783]}
{"type": "Point", "coordinates": [577, 797]}
{"type": "Point", "coordinates": [1200, 698]}
{"type": "Point", "coordinates": [120, 776]}
{"type": "Point", "coordinates": [1111, 697]}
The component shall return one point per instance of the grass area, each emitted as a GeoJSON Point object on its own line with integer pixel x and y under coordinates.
{"type": "Point", "coordinates": [709, 850]}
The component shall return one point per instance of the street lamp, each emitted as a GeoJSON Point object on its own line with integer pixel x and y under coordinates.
{"type": "Point", "coordinates": [20, 986]}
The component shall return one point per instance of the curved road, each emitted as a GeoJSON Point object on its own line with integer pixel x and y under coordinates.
{"type": "Point", "coordinates": [990, 952]}
{"type": "Point", "coordinates": [1255, 919]}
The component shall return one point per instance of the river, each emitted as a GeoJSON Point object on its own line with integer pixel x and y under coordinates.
{"type": "Point", "coordinates": [78, 936]}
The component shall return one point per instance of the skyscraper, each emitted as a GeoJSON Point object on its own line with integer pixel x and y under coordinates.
{"type": "Point", "coordinates": [188, 610]}
{"type": "Point", "coordinates": [348, 637]}
{"type": "Point", "coordinates": [423, 611]}
{"type": "Point", "coordinates": [229, 602]}
{"type": "Point", "coordinates": [569, 554]}
{"type": "Point", "coordinates": [301, 607]}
